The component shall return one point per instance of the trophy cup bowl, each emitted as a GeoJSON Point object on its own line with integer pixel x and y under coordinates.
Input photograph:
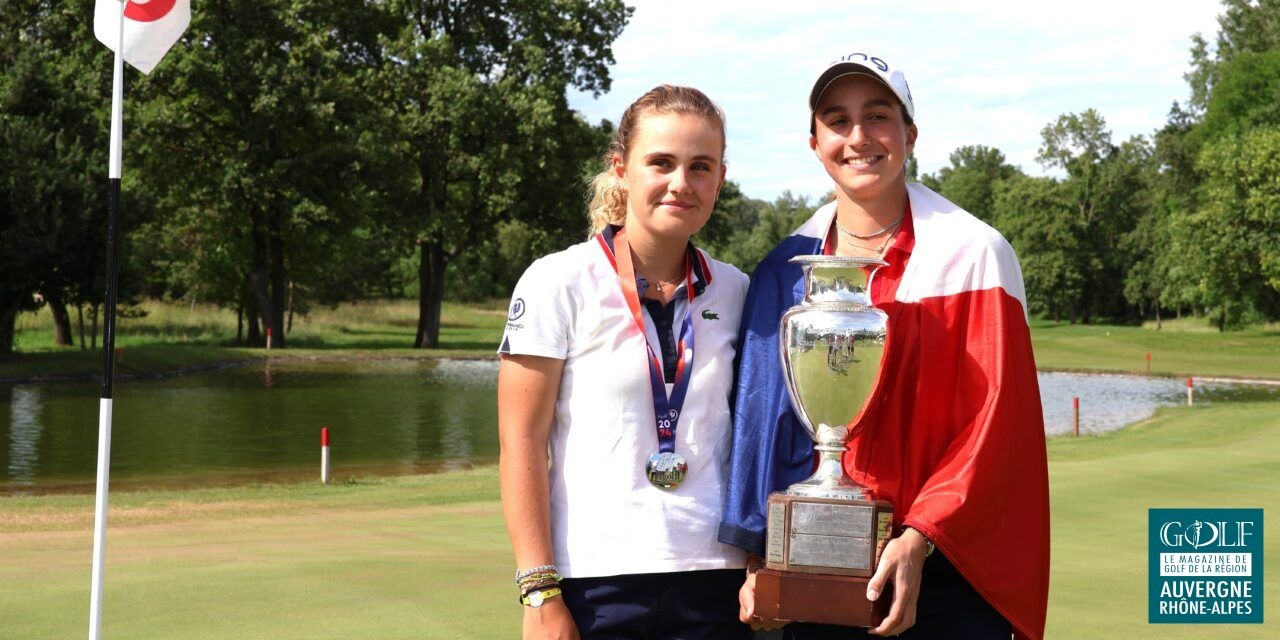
{"type": "Point", "coordinates": [825, 533]}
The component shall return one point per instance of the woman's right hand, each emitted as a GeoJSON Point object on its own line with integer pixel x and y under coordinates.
{"type": "Point", "coordinates": [747, 606]}
{"type": "Point", "coordinates": [551, 621]}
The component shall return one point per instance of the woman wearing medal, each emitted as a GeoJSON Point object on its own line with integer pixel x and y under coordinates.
{"type": "Point", "coordinates": [613, 398]}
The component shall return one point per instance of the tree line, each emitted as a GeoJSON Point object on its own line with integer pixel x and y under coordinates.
{"type": "Point", "coordinates": [289, 153]}
{"type": "Point", "coordinates": [292, 153]}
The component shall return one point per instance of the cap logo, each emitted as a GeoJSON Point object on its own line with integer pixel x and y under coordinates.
{"type": "Point", "coordinates": [880, 64]}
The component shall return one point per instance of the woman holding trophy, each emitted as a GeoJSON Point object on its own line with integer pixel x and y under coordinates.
{"type": "Point", "coordinates": [614, 421]}
{"type": "Point", "coordinates": [951, 433]}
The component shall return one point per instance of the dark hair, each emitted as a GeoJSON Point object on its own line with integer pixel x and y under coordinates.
{"type": "Point", "coordinates": [906, 117]}
{"type": "Point", "coordinates": [608, 195]}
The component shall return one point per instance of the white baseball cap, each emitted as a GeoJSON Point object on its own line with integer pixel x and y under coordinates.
{"type": "Point", "coordinates": [868, 65]}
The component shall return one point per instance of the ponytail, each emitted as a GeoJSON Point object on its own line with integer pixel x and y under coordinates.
{"type": "Point", "coordinates": [608, 204]}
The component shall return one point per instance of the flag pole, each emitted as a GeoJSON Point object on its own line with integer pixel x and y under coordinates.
{"type": "Point", "coordinates": [108, 335]}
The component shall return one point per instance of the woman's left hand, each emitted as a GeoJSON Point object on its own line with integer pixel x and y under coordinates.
{"type": "Point", "coordinates": [902, 562]}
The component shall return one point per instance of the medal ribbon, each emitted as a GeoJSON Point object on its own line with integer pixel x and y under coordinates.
{"type": "Point", "coordinates": [666, 411]}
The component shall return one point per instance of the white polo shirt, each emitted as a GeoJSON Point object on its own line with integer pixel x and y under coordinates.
{"type": "Point", "coordinates": [606, 519]}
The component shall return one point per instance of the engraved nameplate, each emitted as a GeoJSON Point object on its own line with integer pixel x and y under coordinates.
{"type": "Point", "coordinates": [830, 551]}
{"type": "Point", "coordinates": [824, 519]}
{"type": "Point", "coordinates": [775, 544]}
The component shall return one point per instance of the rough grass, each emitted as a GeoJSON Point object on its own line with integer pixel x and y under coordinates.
{"type": "Point", "coordinates": [166, 337]}
{"type": "Point", "coordinates": [1177, 350]}
{"type": "Point", "coordinates": [159, 338]}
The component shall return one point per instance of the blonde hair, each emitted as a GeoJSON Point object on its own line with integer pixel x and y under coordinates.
{"type": "Point", "coordinates": [608, 203]}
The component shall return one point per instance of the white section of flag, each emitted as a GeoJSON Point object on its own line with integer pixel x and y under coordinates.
{"type": "Point", "coordinates": [151, 27]}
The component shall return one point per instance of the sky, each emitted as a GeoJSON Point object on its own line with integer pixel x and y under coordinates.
{"type": "Point", "coordinates": [991, 73]}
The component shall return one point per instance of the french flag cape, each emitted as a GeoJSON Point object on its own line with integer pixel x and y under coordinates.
{"type": "Point", "coordinates": [953, 433]}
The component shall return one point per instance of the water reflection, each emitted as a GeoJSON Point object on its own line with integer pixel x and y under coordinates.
{"type": "Point", "coordinates": [256, 422]}
{"type": "Point", "coordinates": [1108, 402]}
{"type": "Point", "coordinates": [385, 416]}
{"type": "Point", "coordinates": [24, 434]}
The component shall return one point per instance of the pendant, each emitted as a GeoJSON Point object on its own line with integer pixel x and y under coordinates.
{"type": "Point", "coordinates": [666, 469]}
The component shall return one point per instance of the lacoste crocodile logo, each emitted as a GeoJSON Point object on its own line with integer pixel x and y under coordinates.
{"type": "Point", "coordinates": [707, 315]}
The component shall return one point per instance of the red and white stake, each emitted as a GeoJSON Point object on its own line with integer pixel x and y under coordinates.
{"type": "Point", "coordinates": [1075, 416]}
{"type": "Point", "coordinates": [1190, 394]}
{"type": "Point", "coordinates": [324, 455]}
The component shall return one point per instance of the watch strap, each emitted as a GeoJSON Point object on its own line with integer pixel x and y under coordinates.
{"type": "Point", "coordinates": [537, 597]}
{"type": "Point", "coordinates": [929, 547]}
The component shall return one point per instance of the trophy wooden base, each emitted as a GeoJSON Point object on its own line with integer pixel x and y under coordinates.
{"type": "Point", "coordinates": [820, 598]}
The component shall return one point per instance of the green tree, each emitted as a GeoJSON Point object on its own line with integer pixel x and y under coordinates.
{"type": "Point", "coordinates": [746, 246]}
{"type": "Point", "coordinates": [1158, 277]}
{"type": "Point", "coordinates": [1078, 144]}
{"type": "Point", "coordinates": [1246, 95]}
{"type": "Point", "coordinates": [1233, 113]}
{"type": "Point", "coordinates": [545, 215]}
{"type": "Point", "coordinates": [473, 100]}
{"type": "Point", "coordinates": [1108, 186]}
{"type": "Point", "coordinates": [1245, 26]}
{"type": "Point", "coordinates": [54, 99]}
{"type": "Point", "coordinates": [1037, 216]}
{"type": "Point", "coordinates": [733, 218]}
{"type": "Point", "coordinates": [970, 181]}
{"type": "Point", "coordinates": [1233, 242]}
{"type": "Point", "coordinates": [248, 136]}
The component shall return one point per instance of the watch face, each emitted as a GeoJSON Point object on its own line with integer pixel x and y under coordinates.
{"type": "Point", "coordinates": [535, 599]}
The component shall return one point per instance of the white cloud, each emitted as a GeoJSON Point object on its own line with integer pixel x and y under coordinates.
{"type": "Point", "coordinates": [990, 73]}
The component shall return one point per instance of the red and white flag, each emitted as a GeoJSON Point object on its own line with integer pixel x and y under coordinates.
{"type": "Point", "coordinates": [151, 27]}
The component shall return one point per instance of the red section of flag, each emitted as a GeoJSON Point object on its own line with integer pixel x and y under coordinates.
{"type": "Point", "coordinates": [324, 436]}
{"type": "Point", "coordinates": [143, 31]}
{"type": "Point", "coordinates": [150, 11]}
{"type": "Point", "coordinates": [963, 431]}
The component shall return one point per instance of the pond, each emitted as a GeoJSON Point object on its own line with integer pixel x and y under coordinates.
{"type": "Point", "coordinates": [262, 423]}
{"type": "Point", "coordinates": [254, 423]}
{"type": "Point", "coordinates": [1109, 402]}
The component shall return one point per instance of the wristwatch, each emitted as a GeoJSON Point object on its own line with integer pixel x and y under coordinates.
{"type": "Point", "coordinates": [537, 597]}
{"type": "Point", "coordinates": [929, 547]}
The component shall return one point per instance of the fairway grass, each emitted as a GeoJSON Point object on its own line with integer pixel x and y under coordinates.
{"type": "Point", "coordinates": [427, 556]}
{"type": "Point", "coordinates": [1102, 486]}
{"type": "Point", "coordinates": [412, 557]}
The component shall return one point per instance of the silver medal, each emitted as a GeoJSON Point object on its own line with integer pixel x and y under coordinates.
{"type": "Point", "coordinates": [666, 469]}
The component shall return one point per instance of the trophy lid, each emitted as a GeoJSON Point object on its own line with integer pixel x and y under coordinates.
{"type": "Point", "coordinates": [836, 278]}
{"type": "Point", "coordinates": [837, 261]}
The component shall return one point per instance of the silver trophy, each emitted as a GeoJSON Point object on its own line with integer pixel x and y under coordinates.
{"type": "Point", "coordinates": [825, 533]}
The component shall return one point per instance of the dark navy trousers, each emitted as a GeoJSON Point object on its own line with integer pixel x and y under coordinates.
{"type": "Point", "coordinates": [686, 605]}
{"type": "Point", "coordinates": [949, 608]}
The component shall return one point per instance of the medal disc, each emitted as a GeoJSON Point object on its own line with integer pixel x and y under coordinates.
{"type": "Point", "coordinates": [666, 469]}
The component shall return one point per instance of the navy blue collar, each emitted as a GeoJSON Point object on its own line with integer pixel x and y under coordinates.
{"type": "Point", "coordinates": [701, 270]}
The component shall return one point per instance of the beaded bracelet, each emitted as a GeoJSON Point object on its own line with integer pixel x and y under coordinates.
{"type": "Point", "coordinates": [544, 583]}
{"type": "Point", "coordinates": [538, 569]}
{"type": "Point", "coordinates": [538, 579]}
